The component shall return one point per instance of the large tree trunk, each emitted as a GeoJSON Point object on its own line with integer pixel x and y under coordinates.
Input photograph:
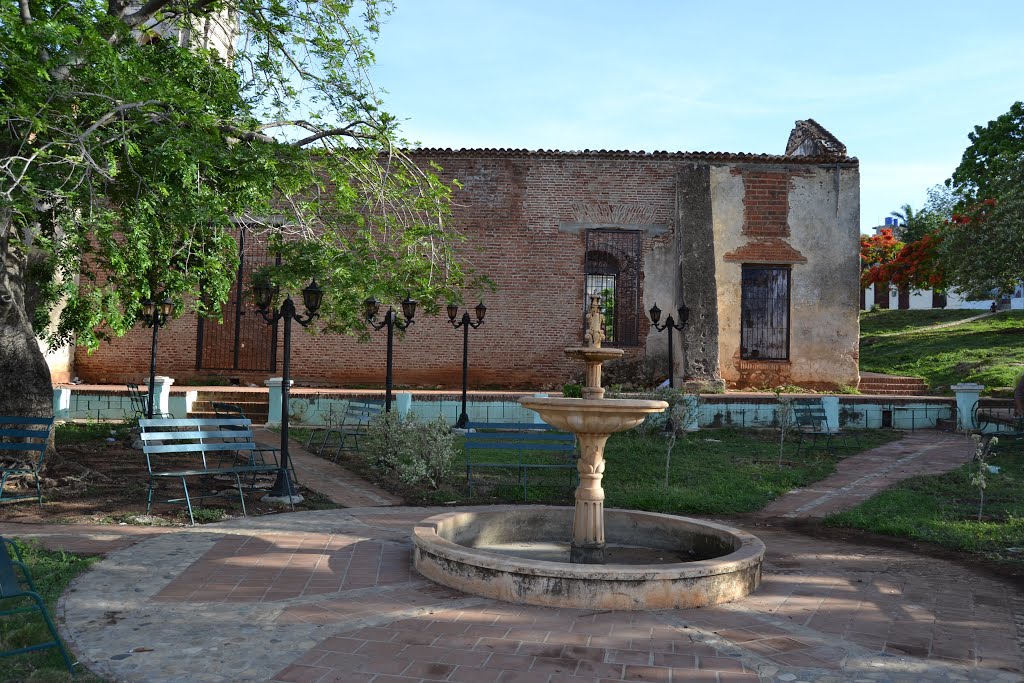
{"type": "Point", "coordinates": [25, 387]}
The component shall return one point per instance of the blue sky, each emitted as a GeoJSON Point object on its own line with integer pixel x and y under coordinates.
{"type": "Point", "coordinates": [900, 83]}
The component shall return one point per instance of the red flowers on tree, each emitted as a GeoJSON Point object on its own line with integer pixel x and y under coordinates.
{"type": "Point", "coordinates": [885, 259]}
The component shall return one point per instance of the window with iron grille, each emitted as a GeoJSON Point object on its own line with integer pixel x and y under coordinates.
{"type": "Point", "coordinates": [764, 317]}
{"type": "Point", "coordinates": [612, 270]}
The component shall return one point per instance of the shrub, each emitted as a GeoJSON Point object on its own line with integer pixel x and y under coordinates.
{"type": "Point", "coordinates": [572, 391]}
{"type": "Point", "coordinates": [416, 452]}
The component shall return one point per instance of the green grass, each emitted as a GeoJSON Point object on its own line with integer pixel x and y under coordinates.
{"type": "Point", "coordinates": [713, 471]}
{"type": "Point", "coordinates": [988, 351]}
{"type": "Point", "coordinates": [943, 509]}
{"type": "Point", "coordinates": [69, 433]}
{"type": "Point", "coordinates": [52, 572]}
{"type": "Point", "coordinates": [889, 321]}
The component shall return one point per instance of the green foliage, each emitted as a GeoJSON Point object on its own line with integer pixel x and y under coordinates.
{"type": "Point", "coordinates": [52, 572]}
{"type": "Point", "coordinates": [69, 433]}
{"type": "Point", "coordinates": [129, 159]}
{"type": "Point", "coordinates": [415, 452]}
{"type": "Point", "coordinates": [943, 509]}
{"type": "Point", "coordinates": [884, 321]}
{"type": "Point", "coordinates": [987, 351]}
{"type": "Point", "coordinates": [572, 391]}
{"type": "Point", "coordinates": [983, 246]}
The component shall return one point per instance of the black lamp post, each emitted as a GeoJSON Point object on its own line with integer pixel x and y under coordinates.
{"type": "Point", "coordinates": [670, 324]}
{"type": "Point", "coordinates": [370, 308]}
{"type": "Point", "coordinates": [465, 323]}
{"type": "Point", "coordinates": [155, 315]}
{"type": "Point", "coordinates": [312, 296]}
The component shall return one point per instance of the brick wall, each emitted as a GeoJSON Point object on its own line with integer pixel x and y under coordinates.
{"type": "Point", "coordinates": [511, 210]}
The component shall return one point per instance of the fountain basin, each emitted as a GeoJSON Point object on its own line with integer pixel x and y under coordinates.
{"type": "Point", "coordinates": [497, 553]}
{"type": "Point", "coordinates": [592, 416]}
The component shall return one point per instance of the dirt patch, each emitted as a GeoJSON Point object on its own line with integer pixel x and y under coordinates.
{"type": "Point", "coordinates": [105, 480]}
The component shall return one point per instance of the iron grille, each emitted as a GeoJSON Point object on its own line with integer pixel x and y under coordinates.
{"type": "Point", "coordinates": [612, 266]}
{"type": "Point", "coordinates": [764, 324]}
{"type": "Point", "coordinates": [244, 341]}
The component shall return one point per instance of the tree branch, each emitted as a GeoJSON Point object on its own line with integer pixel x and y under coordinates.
{"type": "Point", "coordinates": [144, 13]}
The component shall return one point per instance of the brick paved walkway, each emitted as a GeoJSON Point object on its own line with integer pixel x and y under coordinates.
{"type": "Point", "coordinates": [329, 596]}
{"type": "Point", "coordinates": [865, 474]}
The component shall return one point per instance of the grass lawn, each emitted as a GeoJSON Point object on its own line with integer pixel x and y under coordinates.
{"type": "Point", "coordinates": [713, 471]}
{"type": "Point", "coordinates": [943, 509]}
{"type": "Point", "coordinates": [52, 572]}
{"type": "Point", "coordinates": [988, 351]}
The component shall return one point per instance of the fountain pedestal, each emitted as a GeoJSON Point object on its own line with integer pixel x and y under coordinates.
{"type": "Point", "coordinates": [588, 521]}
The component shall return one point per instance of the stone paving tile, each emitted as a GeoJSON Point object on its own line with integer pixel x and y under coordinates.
{"type": "Point", "coordinates": [826, 611]}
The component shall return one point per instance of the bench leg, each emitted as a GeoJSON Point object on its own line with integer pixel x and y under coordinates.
{"type": "Point", "coordinates": [188, 501]}
{"type": "Point", "coordinates": [241, 494]}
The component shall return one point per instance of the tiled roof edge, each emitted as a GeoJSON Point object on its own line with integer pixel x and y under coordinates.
{"type": "Point", "coordinates": [741, 157]}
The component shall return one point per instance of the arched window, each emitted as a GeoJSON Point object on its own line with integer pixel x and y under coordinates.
{"type": "Point", "coordinates": [612, 271]}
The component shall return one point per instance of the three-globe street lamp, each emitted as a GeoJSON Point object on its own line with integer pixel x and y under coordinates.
{"type": "Point", "coordinates": [370, 308]}
{"type": "Point", "coordinates": [465, 323]}
{"type": "Point", "coordinates": [670, 324]}
{"type": "Point", "coordinates": [155, 315]}
{"type": "Point", "coordinates": [312, 296]}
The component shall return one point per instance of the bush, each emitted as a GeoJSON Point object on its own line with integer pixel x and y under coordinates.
{"type": "Point", "coordinates": [572, 391]}
{"type": "Point", "coordinates": [414, 451]}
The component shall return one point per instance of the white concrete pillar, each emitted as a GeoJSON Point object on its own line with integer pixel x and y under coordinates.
{"type": "Point", "coordinates": [274, 412]}
{"type": "Point", "coordinates": [966, 399]}
{"type": "Point", "coordinates": [162, 395]}
{"type": "Point", "coordinates": [61, 403]}
{"type": "Point", "coordinates": [831, 406]}
{"type": "Point", "coordinates": [403, 403]}
{"type": "Point", "coordinates": [181, 404]}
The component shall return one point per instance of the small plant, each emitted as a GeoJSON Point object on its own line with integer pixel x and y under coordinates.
{"type": "Point", "coordinates": [682, 414]}
{"type": "Point", "coordinates": [982, 450]}
{"type": "Point", "coordinates": [783, 415]}
{"type": "Point", "coordinates": [414, 451]}
{"type": "Point", "coordinates": [572, 391]}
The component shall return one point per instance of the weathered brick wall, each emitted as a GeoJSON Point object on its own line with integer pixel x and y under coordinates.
{"type": "Point", "coordinates": [511, 210]}
{"type": "Point", "coordinates": [524, 216]}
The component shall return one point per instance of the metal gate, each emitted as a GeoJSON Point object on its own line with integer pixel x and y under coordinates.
{"type": "Point", "coordinates": [612, 267]}
{"type": "Point", "coordinates": [244, 341]}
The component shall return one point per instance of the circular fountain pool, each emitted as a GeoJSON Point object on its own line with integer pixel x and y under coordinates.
{"type": "Point", "coordinates": [652, 561]}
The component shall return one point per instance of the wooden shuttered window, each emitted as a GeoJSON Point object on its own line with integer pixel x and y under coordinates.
{"type": "Point", "coordinates": [764, 323]}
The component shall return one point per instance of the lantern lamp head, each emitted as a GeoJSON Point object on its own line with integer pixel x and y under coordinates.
{"type": "Point", "coordinates": [370, 308]}
{"type": "Point", "coordinates": [409, 307]}
{"type": "Point", "coordinates": [655, 314]}
{"type": "Point", "coordinates": [453, 310]}
{"type": "Point", "coordinates": [312, 297]}
{"type": "Point", "coordinates": [481, 311]}
{"type": "Point", "coordinates": [684, 314]}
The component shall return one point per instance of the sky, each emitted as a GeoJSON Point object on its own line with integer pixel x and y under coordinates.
{"type": "Point", "coordinates": [901, 83]}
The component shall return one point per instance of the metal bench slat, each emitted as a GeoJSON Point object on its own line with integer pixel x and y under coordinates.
{"type": "Point", "coordinates": [153, 449]}
{"type": "Point", "coordinates": [11, 446]}
{"type": "Point", "coordinates": [13, 420]}
{"type": "Point", "coordinates": [184, 436]}
{"type": "Point", "coordinates": [26, 433]}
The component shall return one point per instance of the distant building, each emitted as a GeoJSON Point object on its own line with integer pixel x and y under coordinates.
{"type": "Point", "coordinates": [881, 296]}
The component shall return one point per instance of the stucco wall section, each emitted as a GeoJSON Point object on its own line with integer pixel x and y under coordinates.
{"type": "Point", "coordinates": [727, 208]}
{"type": "Point", "coordinates": [825, 327]}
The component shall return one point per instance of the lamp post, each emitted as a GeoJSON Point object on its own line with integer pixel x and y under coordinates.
{"type": "Point", "coordinates": [465, 323]}
{"type": "Point", "coordinates": [155, 315]}
{"type": "Point", "coordinates": [670, 324]}
{"type": "Point", "coordinates": [312, 296]}
{"type": "Point", "coordinates": [370, 308]}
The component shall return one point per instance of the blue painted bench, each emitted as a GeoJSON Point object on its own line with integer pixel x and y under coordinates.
{"type": "Point", "coordinates": [189, 448]}
{"type": "Point", "coordinates": [24, 440]}
{"type": "Point", "coordinates": [13, 589]}
{"type": "Point", "coordinates": [526, 446]}
{"type": "Point", "coordinates": [353, 423]}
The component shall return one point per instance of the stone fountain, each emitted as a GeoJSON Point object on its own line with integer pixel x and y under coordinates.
{"type": "Point", "coordinates": [645, 561]}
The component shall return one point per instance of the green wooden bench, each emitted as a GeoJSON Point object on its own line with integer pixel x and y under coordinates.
{"type": "Point", "coordinates": [188, 448]}
{"type": "Point", "coordinates": [11, 588]}
{"type": "Point", "coordinates": [353, 424]}
{"type": "Point", "coordinates": [525, 447]}
{"type": "Point", "coordinates": [24, 440]}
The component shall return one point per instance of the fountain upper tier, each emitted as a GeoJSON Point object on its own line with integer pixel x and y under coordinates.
{"type": "Point", "coordinates": [592, 416]}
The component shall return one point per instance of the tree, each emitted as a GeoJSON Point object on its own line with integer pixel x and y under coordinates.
{"type": "Point", "coordinates": [129, 149]}
{"type": "Point", "coordinates": [983, 244]}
